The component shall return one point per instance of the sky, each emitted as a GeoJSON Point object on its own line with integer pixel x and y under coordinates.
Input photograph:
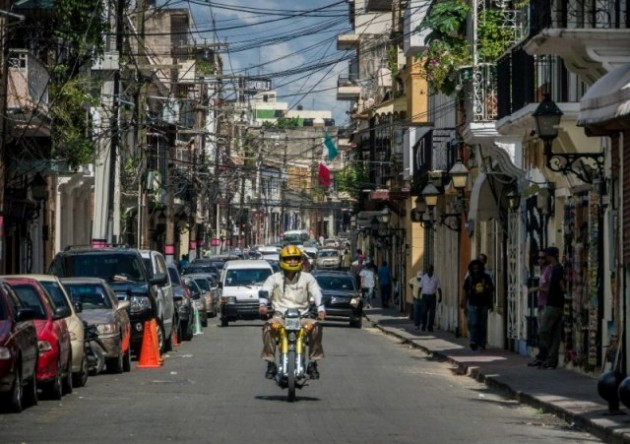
{"type": "Point", "coordinates": [291, 42]}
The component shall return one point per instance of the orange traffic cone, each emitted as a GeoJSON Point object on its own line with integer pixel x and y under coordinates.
{"type": "Point", "coordinates": [149, 353]}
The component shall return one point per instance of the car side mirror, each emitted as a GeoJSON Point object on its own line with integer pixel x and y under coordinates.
{"type": "Point", "coordinates": [25, 314]}
{"type": "Point", "coordinates": [158, 279]}
{"type": "Point", "coordinates": [61, 312]}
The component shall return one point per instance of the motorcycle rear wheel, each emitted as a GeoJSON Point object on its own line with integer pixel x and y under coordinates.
{"type": "Point", "coordinates": [291, 375]}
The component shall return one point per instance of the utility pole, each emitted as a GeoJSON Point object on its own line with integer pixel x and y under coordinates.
{"type": "Point", "coordinates": [4, 52]}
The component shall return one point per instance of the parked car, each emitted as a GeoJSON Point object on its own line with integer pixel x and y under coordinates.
{"type": "Point", "coordinates": [54, 365]}
{"type": "Point", "coordinates": [199, 298]}
{"type": "Point", "coordinates": [183, 305]}
{"type": "Point", "coordinates": [61, 298]}
{"type": "Point", "coordinates": [156, 266]}
{"type": "Point", "coordinates": [203, 266]}
{"type": "Point", "coordinates": [328, 258]}
{"type": "Point", "coordinates": [341, 296]}
{"type": "Point", "coordinates": [207, 283]}
{"type": "Point", "coordinates": [100, 307]}
{"type": "Point", "coordinates": [124, 270]}
{"type": "Point", "coordinates": [239, 285]}
{"type": "Point", "coordinates": [18, 351]}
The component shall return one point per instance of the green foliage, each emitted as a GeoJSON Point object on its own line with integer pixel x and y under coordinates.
{"type": "Point", "coordinates": [70, 137]}
{"type": "Point", "coordinates": [392, 59]}
{"type": "Point", "coordinates": [283, 123]}
{"type": "Point", "coordinates": [204, 67]}
{"type": "Point", "coordinates": [447, 48]}
{"type": "Point", "coordinates": [494, 38]}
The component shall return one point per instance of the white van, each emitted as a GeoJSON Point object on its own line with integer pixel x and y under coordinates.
{"type": "Point", "coordinates": [239, 285]}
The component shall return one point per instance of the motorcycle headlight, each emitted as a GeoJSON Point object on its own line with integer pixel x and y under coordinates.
{"type": "Point", "coordinates": [44, 347]}
{"type": "Point", "coordinates": [107, 329]}
{"type": "Point", "coordinates": [139, 303]}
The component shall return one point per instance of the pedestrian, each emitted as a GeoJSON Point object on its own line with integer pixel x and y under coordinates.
{"type": "Point", "coordinates": [183, 262]}
{"type": "Point", "coordinates": [416, 293]}
{"type": "Point", "coordinates": [477, 300]}
{"type": "Point", "coordinates": [550, 333]}
{"type": "Point", "coordinates": [385, 283]}
{"type": "Point", "coordinates": [368, 282]}
{"type": "Point", "coordinates": [541, 296]}
{"type": "Point", "coordinates": [395, 290]}
{"type": "Point", "coordinates": [346, 260]}
{"type": "Point", "coordinates": [430, 290]}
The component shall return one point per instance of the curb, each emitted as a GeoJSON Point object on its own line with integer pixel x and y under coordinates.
{"type": "Point", "coordinates": [606, 434]}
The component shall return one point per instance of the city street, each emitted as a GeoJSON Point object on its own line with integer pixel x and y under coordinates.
{"type": "Point", "coordinates": [372, 390]}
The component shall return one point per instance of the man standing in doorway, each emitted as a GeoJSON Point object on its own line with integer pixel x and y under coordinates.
{"type": "Point", "coordinates": [550, 332]}
{"type": "Point", "coordinates": [385, 283]}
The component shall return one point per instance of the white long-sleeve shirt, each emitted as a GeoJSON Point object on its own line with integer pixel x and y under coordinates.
{"type": "Point", "coordinates": [295, 293]}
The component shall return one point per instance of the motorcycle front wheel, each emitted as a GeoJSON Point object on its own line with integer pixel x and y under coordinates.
{"type": "Point", "coordinates": [291, 375]}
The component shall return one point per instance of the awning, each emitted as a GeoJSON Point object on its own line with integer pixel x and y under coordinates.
{"type": "Point", "coordinates": [606, 99]}
{"type": "Point", "coordinates": [483, 205]}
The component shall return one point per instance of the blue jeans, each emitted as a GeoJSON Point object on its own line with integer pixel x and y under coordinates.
{"type": "Point", "coordinates": [477, 324]}
{"type": "Point", "coordinates": [417, 312]}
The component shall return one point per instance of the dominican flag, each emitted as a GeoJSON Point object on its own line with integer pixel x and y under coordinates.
{"type": "Point", "coordinates": [329, 153]}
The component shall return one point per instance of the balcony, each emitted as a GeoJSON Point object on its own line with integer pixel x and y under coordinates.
{"type": "Point", "coordinates": [378, 5]}
{"type": "Point", "coordinates": [348, 41]}
{"type": "Point", "coordinates": [348, 88]}
{"type": "Point", "coordinates": [591, 37]}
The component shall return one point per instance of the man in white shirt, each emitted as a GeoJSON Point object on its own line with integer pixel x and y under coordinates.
{"type": "Point", "coordinates": [368, 282]}
{"type": "Point", "coordinates": [430, 290]}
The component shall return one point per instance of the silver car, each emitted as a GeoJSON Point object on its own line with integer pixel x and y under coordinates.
{"type": "Point", "coordinates": [208, 284]}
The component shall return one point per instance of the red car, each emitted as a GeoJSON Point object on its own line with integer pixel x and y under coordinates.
{"type": "Point", "coordinates": [18, 352]}
{"type": "Point", "coordinates": [54, 367]}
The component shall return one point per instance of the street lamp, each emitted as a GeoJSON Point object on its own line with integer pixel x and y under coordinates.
{"type": "Point", "coordinates": [513, 200]}
{"type": "Point", "coordinates": [547, 117]}
{"type": "Point", "coordinates": [459, 175]}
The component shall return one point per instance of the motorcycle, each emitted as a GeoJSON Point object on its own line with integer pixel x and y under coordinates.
{"type": "Point", "coordinates": [291, 339]}
{"type": "Point", "coordinates": [94, 349]}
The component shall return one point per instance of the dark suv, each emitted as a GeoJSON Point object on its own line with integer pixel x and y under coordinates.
{"type": "Point", "coordinates": [125, 272]}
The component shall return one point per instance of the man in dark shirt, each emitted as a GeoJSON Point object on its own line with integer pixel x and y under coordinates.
{"type": "Point", "coordinates": [550, 333]}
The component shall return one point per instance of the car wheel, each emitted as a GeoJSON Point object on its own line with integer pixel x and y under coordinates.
{"type": "Point", "coordinates": [55, 387]}
{"type": "Point", "coordinates": [127, 361]}
{"type": "Point", "coordinates": [115, 365]}
{"type": "Point", "coordinates": [160, 338]}
{"type": "Point", "coordinates": [30, 392]}
{"type": "Point", "coordinates": [80, 378]}
{"type": "Point", "coordinates": [67, 382]}
{"type": "Point", "coordinates": [224, 322]}
{"type": "Point", "coordinates": [16, 395]}
{"type": "Point", "coordinates": [204, 320]}
{"type": "Point", "coordinates": [187, 333]}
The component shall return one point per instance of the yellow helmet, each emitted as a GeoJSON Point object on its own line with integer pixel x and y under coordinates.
{"type": "Point", "coordinates": [290, 251]}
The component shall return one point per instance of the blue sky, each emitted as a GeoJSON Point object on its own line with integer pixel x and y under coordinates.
{"type": "Point", "coordinates": [274, 38]}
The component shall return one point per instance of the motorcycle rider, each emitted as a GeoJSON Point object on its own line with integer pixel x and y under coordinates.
{"type": "Point", "coordinates": [291, 288]}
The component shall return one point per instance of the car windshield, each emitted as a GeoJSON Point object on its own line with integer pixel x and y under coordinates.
{"type": "Point", "coordinates": [340, 283]}
{"type": "Point", "coordinates": [56, 293]}
{"type": "Point", "coordinates": [111, 267]}
{"type": "Point", "coordinates": [30, 299]}
{"type": "Point", "coordinates": [246, 276]}
{"type": "Point", "coordinates": [203, 283]}
{"type": "Point", "coordinates": [328, 253]}
{"type": "Point", "coordinates": [91, 296]}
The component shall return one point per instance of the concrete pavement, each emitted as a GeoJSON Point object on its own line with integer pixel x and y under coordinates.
{"type": "Point", "coordinates": [566, 393]}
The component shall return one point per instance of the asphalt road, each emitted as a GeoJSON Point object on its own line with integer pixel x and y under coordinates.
{"type": "Point", "coordinates": [372, 390]}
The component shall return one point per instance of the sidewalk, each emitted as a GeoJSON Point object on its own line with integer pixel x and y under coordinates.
{"type": "Point", "coordinates": [568, 394]}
